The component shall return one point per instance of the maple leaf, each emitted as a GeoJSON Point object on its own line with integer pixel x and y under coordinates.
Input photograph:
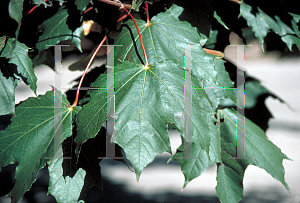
{"type": "Point", "coordinates": [147, 99]}
{"type": "Point", "coordinates": [15, 66]}
{"type": "Point", "coordinates": [55, 30]}
{"type": "Point", "coordinates": [29, 139]}
{"type": "Point", "coordinates": [261, 24]}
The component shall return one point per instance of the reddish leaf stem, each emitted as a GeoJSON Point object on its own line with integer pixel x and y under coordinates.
{"type": "Point", "coordinates": [123, 17]}
{"type": "Point", "coordinates": [236, 1]}
{"type": "Point", "coordinates": [137, 28]}
{"type": "Point", "coordinates": [92, 58]}
{"type": "Point", "coordinates": [86, 69]}
{"type": "Point", "coordinates": [214, 52]}
{"type": "Point", "coordinates": [148, 21]}
{"type": "Point", "coordinates": [33, 8]}
{"type": "Point", "coordinates": [88, 9]}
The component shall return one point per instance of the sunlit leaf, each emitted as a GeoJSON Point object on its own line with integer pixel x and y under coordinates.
{"type": "Point", "coordinates": [64, 189]}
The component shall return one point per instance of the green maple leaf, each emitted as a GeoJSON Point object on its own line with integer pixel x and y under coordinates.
{"type": "Point", "coordinates": [81, 4]}
{"type": "Point", "coordinates": [19, 57]}
{"type": "Point", "coordinates": [29, 139]}
{"type": "Point", "coordinates": [231, 171]}
{"type": "Point", "coordinates": [148, 99]}
{"type": "Point", "coordinates": [166, 38]}
{"type": "Point", "coordinates": [7, 92]}
{"type": "Point", "coordinates": [55, 30]}
{"type": "Point", "coordinates": [15, 66]}
{"type": "Point", "coordinates": [261, 24]}
{"type": "Point", "coordinates": [196, 161]}
{"type": "Point", "coordinates": [65, 190]}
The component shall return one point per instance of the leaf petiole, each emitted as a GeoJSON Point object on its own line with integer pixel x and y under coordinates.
{"type": "Point", "coordinates": [86, 69]}
{"type": "Point", "coordinates": [137, 28]}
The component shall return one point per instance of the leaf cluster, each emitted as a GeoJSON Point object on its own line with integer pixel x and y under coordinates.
{"type": "Point", "coordinates": [149, 97]}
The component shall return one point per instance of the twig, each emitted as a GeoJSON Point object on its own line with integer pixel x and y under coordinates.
{"type": "Point", "coordinates": [127, 6]}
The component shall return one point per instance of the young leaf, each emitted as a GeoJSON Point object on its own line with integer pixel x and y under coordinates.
{"type": "Point", "coordinates": [64, 189]}
{"type": "Point", "coordinates": [19, 57]}
{"type": "Point", "coordinates": [29, 139]}
{"type": "Point", "coordinates": [55, 30]}
{"type": "Point", "coordinates": [15, 9]}
{"type": "Point", "coordinates": [218, 18]}
{"type": "Point", "coordinates": [136, 4]}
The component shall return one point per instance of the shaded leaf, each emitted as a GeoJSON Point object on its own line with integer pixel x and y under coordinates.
{"type": "Point", "coordinates": [261, 24]}
{"type": "Point", "coordinates": [15, 9]}
{"type": "Point", "coordinates": [218, 18]}
{"type": "Point", "coordinates": [2, 42]}
{"type": "Point", "coordinates": [29, 139]}
{"type": "Point", "coordinates": [19, 57]}
{"type": "Point", "coordinates": [136, 4]}
{"type": "Point", "coordinates": [39, 2]}
{"type": "Point", "coordinates": [253, 90]}
{"type": "Point", "coordinates": [55, 30]}
{"type": "Point", "coordinates": [82, 4]}
{"type": "Point", "coordinates": [212, 40]}
{"type": "Point", "coordinates": [290, 40]}
{"type": "Point", "coordinates": [7, 88]}
{"type": "Point", "coordinates": [199, 13]}
{"type": "Point", "coordinates": [231, 171]}
{"type": "Point", "coordinates": [92, 152]}
{"type": "Point", "coordinates": [44, 57]}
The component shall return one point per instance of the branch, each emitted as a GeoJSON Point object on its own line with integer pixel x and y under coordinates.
{"type": "Point", "coordinates": [127, 6]}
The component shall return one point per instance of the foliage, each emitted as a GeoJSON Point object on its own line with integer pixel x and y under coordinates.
{"type": "Point", "coordinates": [149, 96]}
